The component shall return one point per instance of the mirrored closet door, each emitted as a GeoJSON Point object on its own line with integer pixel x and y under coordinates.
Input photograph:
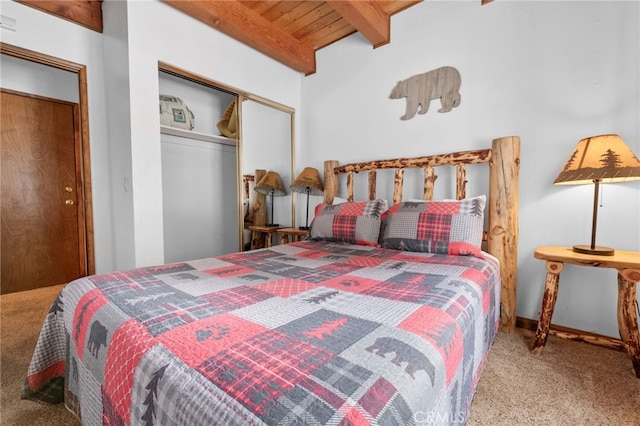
{"type": "Point", "coordinates": [267, 144]}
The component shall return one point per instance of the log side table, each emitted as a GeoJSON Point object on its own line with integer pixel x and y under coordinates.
{"type": "Point", "coordinates": [627, 263]}
{"type": "Point", "coordinates": [257, 231]}
{"type": "Point", "coordinates": [294, 233]}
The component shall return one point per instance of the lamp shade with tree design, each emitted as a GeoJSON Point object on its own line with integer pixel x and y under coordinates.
{"type": "Point", "coordinates": [599, 159]}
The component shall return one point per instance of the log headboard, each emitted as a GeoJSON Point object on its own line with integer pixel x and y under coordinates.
{"type": "Point", "coordinates": [502, 225]}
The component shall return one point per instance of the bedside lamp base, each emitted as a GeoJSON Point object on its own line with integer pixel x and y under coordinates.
{"type": "Point", "coordinates": [595, 250]}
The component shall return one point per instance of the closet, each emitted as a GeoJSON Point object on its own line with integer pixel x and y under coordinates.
{"type": "Point", "coordinates": [199, 173]}
{"type": "Point", "coordinates": [202, 171]}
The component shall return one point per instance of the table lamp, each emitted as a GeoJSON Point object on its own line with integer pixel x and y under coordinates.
{"type": "Point", "coordinates": [308, 181]}
{"type": "Point", "coordinates": [271, 184]}
{"type": "Point", "coordinates": [599, 159]}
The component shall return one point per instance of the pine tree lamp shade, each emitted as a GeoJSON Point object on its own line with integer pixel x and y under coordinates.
{"type": "Point", "coordinates": [599, 159]}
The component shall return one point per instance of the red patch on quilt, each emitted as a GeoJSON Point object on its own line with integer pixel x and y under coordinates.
{"type": "Point", "coordinates": [259, 370]}
{"type": "Point", "coordinates": [41, 377]}
{"type": "Point", "coordinates": [375, 399]}
{"type": "Point", "coordinates": [477, 276]}
{"type": "Point", "coordinates": [439, 328]}
{"type": "Point", "coordinates": [129, 343]}
{"type": "Point", "coordinates": [365, 261]}
{"type": "Point", "coordinates": [86, 308]}
{"type": "Point", "coordinates": [464, 249]}
{"type": "Point", "coordinates": [321, 392]}
{"type": "Point", "coordinates": [286, 287]}
{"type": "Point", "coordinates": [200, 340]}
{"type": "Point", "coordinates": [354, 417]}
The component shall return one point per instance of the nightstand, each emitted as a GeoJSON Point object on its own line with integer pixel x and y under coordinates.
{"type": "Point", "coordinates": [294, 233]}
{"type": "Point", "coordinates": [627, 263]}
{"type": "Point", "coordinates": [257, 231]}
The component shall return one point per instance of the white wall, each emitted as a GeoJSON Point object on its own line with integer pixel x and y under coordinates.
{"type": "Point", "coordinates": [53, 36]}
{"type": "Point", "coordinates": [550, 72]}
{"type": "Point", "coordinates": [124, 122]}
{"type": "Point", "coordinates": [158, 32]}
{"type": "Point", "coordinates": [28, 77]}
{"type": "Point", "coordinates": [118, 110]}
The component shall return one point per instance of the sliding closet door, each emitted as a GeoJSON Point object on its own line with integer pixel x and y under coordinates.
{"type": "Point", "coordinates": [267, 143]}
{"type": "Point", "coordinates": [200, 198]}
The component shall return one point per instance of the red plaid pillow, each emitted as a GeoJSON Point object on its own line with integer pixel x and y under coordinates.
{"type": "Point", "coordinates": [443, 227]}
{"type": "Point", "coordinates": [355, 223]}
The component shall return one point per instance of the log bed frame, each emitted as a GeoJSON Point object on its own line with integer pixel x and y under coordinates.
{"type": "Point", "coordinates": [501, 235]}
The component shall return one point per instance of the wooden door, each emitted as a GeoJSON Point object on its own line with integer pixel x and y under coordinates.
{"type": "Point", "coordinates": [42, 234]}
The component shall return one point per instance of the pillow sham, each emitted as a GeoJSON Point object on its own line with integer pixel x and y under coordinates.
{"type": "Point", "coordinates": [336, 200]}
{"type": "Point", "coordinates": [443, 227]}
{"type": "Point", "coordinates": [357, 222]}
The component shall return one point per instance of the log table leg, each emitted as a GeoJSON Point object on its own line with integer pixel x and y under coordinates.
{"type": "Point", "coordinates": [627, 264]}
{"type": "Point", "coordinates": [255, 240]}
{"type": "Point", "coordinates": [548, 304]}
{"type": "Point", "coordinates": [628, 315]}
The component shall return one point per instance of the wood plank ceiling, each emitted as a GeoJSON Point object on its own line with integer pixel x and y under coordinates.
{"type": "Point", "coordinates": [291, 31]}
{"type": "Point", "coordinates": [287, 31]}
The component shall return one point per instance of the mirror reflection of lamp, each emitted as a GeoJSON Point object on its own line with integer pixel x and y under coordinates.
{"type": "Point", "coordinates": [271, 184]}
{"type": "Point", "coordinates": [308, 182]}
{"type": "Point", "coordinates": [599, 159]}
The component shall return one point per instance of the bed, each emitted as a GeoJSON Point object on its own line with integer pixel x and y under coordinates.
{"type": "Point", "coordinates": [385, 315]}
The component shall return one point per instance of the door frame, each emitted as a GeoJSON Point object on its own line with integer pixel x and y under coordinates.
{"type": "Point", "coordinates": [84, 157]}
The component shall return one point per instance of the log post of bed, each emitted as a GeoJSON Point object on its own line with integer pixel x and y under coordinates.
{"type": "Point", "coordinates": [330, 181]}
{"type": "Point", "coordinates": [502, 238]}
{"type": "Point", "coordinates": [502, 232]}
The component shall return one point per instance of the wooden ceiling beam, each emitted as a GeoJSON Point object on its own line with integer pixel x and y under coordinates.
{"type": "Point", "coordinates": [246, 26]}
{"type": "Point", "coordinates": [367, 17]}
{"type": "Point", "coordinates": [83, 12]}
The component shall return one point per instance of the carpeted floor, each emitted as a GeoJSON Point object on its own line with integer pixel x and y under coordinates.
{"type": "Point", "coordinates": [571, 384]}
{"type": "Point", "coordinates": [21, 316]}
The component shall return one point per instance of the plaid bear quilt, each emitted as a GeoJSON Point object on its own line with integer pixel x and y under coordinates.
{"type": "Point", "coordinates": [305, 333]}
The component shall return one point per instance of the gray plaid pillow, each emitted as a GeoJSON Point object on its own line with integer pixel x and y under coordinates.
{"type": "Point", "coordinates": [443, 227]}
{"type": "Point", "coordinates": [355, 223]}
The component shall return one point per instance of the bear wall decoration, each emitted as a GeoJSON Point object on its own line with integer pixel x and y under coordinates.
{"type": "Point", "coordinates": [443, 83]}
